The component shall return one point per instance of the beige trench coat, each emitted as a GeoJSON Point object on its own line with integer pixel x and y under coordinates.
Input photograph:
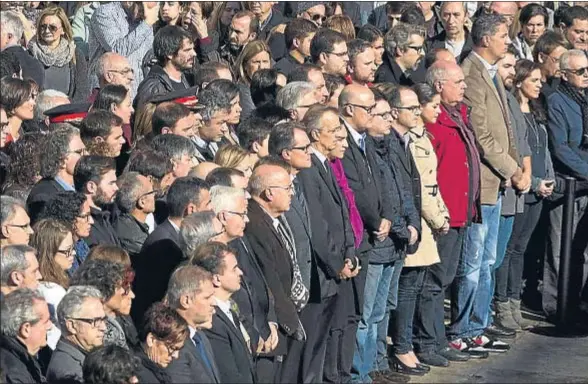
{"type": "Point", "coordinates": [434, 213]}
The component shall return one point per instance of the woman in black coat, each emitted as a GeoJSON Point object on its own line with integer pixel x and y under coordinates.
{"type": "Point", "coordinates": [65, 66]}
{"type": "Point", "coordinates": [162, 336]}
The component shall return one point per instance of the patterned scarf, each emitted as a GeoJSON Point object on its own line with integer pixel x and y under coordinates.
{"type": "Point", "coordinates": [581, 99]}
{"type": "Point", "coordinates": [58, 57]}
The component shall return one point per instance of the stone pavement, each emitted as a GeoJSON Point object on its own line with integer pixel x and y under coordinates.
{"type": "Point", "coordinates": [535, 357]}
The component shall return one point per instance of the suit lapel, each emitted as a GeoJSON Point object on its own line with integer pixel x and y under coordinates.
{"type": "Point", "coordinates": [232, 327]}
{"type": "Point", "coordinates": [326, 178]}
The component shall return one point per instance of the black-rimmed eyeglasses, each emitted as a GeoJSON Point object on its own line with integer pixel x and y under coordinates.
{"type": "Point", "coordinates": [366, 108]}
{"type": "Point", "coordinates": [93, 321]}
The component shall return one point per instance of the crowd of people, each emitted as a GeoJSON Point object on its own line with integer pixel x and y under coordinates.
{"type": "Point", "coordinates": [293, 192]}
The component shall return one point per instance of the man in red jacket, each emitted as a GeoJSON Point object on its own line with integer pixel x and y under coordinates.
{"type": "Point", "coordinates": [458, 176]}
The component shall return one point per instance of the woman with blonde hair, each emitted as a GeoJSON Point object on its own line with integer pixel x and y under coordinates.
{"type": "Point", "coordinates": [255, 55]}
{"type": "Point", "coordinates": [54, 243]}
{"type": "Point", "coordinates": [234, 156]}
{"type": "Point", "coordinates": [65, 66]}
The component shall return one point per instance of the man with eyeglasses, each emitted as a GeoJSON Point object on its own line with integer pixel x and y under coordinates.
{"type": "Point", "coordinates": [66, 146]}
{"type": "Point", "coordinates": [328, 50]}
{"type": "Point", "coordinates": [83, 323]}
{"type": "Point", "coordinates": [135, 200]}
{"type": "Point", "coordinates": [114, 69]}
{"type": "Point", "coordinates": [272, 242]}
{"type": "Point", "coordinates": [356, 106]}
{"type": "Point", "coordinates": [404, 49]}
{"type": "Point", "coordinates": [568, 134]}
{"type": "Point", "coordinates": [15, 222]}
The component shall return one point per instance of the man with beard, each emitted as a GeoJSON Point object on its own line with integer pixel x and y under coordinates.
{"type": "Point", "coordinates": [328, 50]}
{"type": "Point", "coordinates": [174, 50]}
{"type": "Point", "coordinates": [95, 177]}
{"type": "Point", "coordinates": [243, 29]}
{"type": "Point", "coordinates": [362, 63]}
{"type": "Point", "coordinates": [404, 48]}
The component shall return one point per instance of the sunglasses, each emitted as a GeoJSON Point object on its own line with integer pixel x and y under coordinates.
{"type": "Point", "coordinates": [578, 72]}
{"type": "Point", "coordinates": [317, 17]}
{"type": "Point", "coordinates": [52, 28]}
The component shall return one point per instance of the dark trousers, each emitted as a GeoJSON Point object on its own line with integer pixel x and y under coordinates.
{"type": "Point", "coordinates": [410, 287]}
{"type": "Point", "coordinates": [429, 326]}
{"type": "Point", "coordinates": [341, 339]}
{"type": "Point", "coordinates": [509, 275]}
{"type": "Point", "coordinates": [579, 265]}
{"type": "Point", "coordinates": [305, 361]}
{"type": "Point", "coordinates": [268, 369]}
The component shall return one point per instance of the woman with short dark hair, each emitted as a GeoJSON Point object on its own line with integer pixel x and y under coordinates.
{"type": "Point", "coordinates": [110, 364]}
{"type": "Point", "coordinates": [161, 338]}
{"type": "Point", "coordinates": [534, 19]}
{"type": "Point", "coordinates": [19, 98]}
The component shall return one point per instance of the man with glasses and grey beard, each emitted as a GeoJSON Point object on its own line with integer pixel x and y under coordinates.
{"type": "Point", "coordinates": [83, 323]}
{"type": "Point", "coordinates": [404, 49]}
{"type": "Point", "coordinates": [568, 135]}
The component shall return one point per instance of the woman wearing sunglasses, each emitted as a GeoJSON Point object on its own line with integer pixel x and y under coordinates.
{"type": "Point", "coordinates": [162, 336]}
{"type": "Point", "coordinates": [54, 243]}
{"type": "Point", "coordinates": [65, 66]}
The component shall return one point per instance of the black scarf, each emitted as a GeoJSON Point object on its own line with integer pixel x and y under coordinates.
{"type": "Point", "coordinates": [581, 99]}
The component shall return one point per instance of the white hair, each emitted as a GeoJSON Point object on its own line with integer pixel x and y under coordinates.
{"type": "Point", "coordinates": [289, 97]}
{"type": "Point", "coordinates": [71, 304]}
{"type": "Point", "coordinates": [224, 198]}
{"type": "Point", "coordinates": [564, 60]}
{"type": "Point", "coordinates": [17, 309]}
{"type": "Point", "coordinates": [11, 23]}
{"type": "Point", "coordinates": [196, 229]}
{"type": "Point", "coordinates": [46, 101]}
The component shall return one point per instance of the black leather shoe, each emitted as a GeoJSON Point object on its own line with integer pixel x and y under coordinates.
{"type": "Point", "coordinates": [389, 377]}
{"type": "Point", "coordinates": [433, 359]}
{"type": "Point", "coordinates": [453, 354]}
{"type": "Point", "coordinates": [497, 331]}
{"type": "Point", "coordinates": [425, 367]}
{"type": "Point", "coordinates": [400, 367]}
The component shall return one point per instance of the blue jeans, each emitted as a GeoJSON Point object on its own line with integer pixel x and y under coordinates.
{"type": "Point", "coordinates": [377, 286]}
{"type": "Point", "coordinates": [381, 363]}
{"type": "Point", "coordinates": [473, 281]}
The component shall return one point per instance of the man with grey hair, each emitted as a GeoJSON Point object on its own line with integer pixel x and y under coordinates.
{"type": "Point", "coordinates": [82, 321]}
{"type": "Point", "coordinates": [568, 137]}
{"type": "Point", "coordinates": [114, 69]}
{"type": "Point", "coordinates": [404, 49]}
{"type": "Point", "coordinates": [486, 95]}
{"type": "Point", "coordinates": [296, 97]}
{"type": "Point", "coordinates": [19, 268]}
{"type": "Point", "coordinates": [191, 294]}
{"type": "Point", "coordinates": [136, 200]}
{"type": "Point", "coordinates": [180, 151]}
{"type": "Point", "coordinates": [48, 99]}
{"type": "Point", "coordinates": [24, 322]}
{"type": "Point", "coordinates": [11, 31]}
{"type": "Point", "coordinates": [215, 113]}
{"type": "Point", "coordinates": [199, 228]}
{"type": "Point", "coordinates": [15, 224]}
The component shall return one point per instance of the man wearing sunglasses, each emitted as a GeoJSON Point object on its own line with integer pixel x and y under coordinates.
{"type": "Point", "coordinates": [568, 134]}
{"type": "Point", "coordinates": [404, 49]}
{"type": "Point", "coordinates": [136, 200]}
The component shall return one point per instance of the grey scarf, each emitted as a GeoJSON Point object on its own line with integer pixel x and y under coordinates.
{"type": "Point", "coordinates": [58, 57]}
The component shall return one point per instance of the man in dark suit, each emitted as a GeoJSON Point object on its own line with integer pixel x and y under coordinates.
{"type": "Point", "coordinates": [403, 52]}
{"type": "Point", "coordinates": [228, 337]}
{"type": "Point", "coordinates": [216, 108]}
{"type": "Point", "coordinates": [161, 252]}
{"type": "Point", "coordinates": [305, 361]}
{"type": "Point", "coordinates": [271, 241]}
{"type": "Point", "coordinates": [191, 294]}
{"type": "Point", "coordinates": [63, 150]}
{"type": "Point", "coordinates": [256, 308]}
{"type": "Point", "coordinates": [356, 103]}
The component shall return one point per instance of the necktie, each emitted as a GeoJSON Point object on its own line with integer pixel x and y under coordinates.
{"type": "Point", "coordinates": [202, 351]}
{"type": "Point", "coordinates": [235, 317]}
{"type": "Point", "coordinates": [300, 197]}
{"type": "Point", "coordinates": [299, 291]}
{"type": "Point", "coordinates": [362, 143]}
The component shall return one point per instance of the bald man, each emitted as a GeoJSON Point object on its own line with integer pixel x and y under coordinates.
{"type": "Point", "coordinates": [272, 243]}
{"type": "Point", "coordinates": [114, 69]}
{"type": "Point", "coordinates": [506, 9]}
{"type": "Point", "coordinates": [356, 103]}
{"type": "Point", "coordinates": [458, 177]}
{"type": "Point", "coordinates": [202, 170]}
